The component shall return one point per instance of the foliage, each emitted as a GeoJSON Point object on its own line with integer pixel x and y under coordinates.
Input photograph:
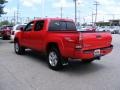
{"type": "Point", "coordinates": [5, 23]}
{"type": "Point", "coordinates": [2, 5]}
{"type": "Point", "coordinates": [84, 24]}
{"type": "Point", "coordinates": [103, 23]}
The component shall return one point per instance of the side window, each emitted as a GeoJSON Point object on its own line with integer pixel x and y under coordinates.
{"type": "Point", "coordinates": [29, 26]}
{"type": "Point", "coordinates": [71, 26]}
{"type": "Point", "coordinates": [54, 26]}
{"type": "Point", "coordinates": [39, 25]}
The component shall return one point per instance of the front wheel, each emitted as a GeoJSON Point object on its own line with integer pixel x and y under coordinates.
{"type": "Point", "coordinates": [54, 59]}
{"type": "Point", "coordinates": [18, 49]}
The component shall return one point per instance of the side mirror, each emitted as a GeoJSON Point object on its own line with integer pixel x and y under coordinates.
{"type": "Point", "coordinates": [21, 29]}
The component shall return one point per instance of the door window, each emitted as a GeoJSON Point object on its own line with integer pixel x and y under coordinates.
{"type": "Point", "coordinates": [29, 26]}
{"type": "Point", "coordinates": [39, 25]}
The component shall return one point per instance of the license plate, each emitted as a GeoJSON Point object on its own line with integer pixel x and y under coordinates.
{"type": "Point", "coordinates": [97, 52]}
{"type": "Point", "coordinates": [8, 33]}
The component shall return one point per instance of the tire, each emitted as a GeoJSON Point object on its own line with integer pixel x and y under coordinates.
{"type": "Point", "coordinates": [8, 38]}
{"type": "Point", "coordinates": [3, 38]}
{"type": "Point", "coordinates": [18, 49]}
{"type": "Point", "coordinates": [54, 59]}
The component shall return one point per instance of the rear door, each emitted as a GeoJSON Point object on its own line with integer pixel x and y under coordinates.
{"type": "Point", "coordinates": [38, 35]}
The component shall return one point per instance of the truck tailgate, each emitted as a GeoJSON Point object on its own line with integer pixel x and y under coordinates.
{"type": "Point", "coordinates": [94, 40]}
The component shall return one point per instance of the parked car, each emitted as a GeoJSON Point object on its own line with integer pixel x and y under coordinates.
{"type": "Point", "coordinates": [117, 29]}
{"type": "Point", "coordinates": [114, 29]}
{"type": "Point", "coordinates": [80, 28]}
{"type": "Point", "coordinates": [59, 40]}
{"type": "Point", "coordinates": [103, 28]}
{"type": "Point", "coordinates": [6, 32]}
{"type": "Point", "coordinates": [88, 28]}
{"type": "Point", "coordinates": [0, 32]}
{"type": "Point", "coordinates": [16, 29]}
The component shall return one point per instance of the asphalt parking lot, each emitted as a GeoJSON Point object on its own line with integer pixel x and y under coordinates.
{"type": "Point", "coordinates": [30, 71]}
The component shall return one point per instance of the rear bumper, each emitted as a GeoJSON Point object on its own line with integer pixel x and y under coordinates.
{"type": "Point", "coordinates": [6, 35]}
{"type": "Point", "coordinates": [89, 54]}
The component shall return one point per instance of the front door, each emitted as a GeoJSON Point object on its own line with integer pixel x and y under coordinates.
{"type": "Point", "coordinates": [27, 34]}
{"type": "Point", "coordinates": [38, 35]}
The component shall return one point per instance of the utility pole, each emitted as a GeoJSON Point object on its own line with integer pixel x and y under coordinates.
{"type": "Point", "coordinates": [43, 8]}
{"type": "Point", "coordinates": [18, 7]}
{"type": "Point", "coordinates": [96, 6]}
{"type": "Point", "coordinates": [61, 11]}
{"type": "Point", "coordinates": [75, 11]}
{"type": "Point", "coordinates": [14, 17]}
{"type": "Point", "coordinates": [92, 18]}
{"type": "Point", "coordinates": [79, 16]}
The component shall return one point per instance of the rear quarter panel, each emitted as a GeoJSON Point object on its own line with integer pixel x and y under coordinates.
{"type": "Point", "coordinates": [66, 48]}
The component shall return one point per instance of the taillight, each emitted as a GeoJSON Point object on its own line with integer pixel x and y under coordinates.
{"type": "Point", "coordinates": [13, 32]}
{"type": "Point", "coordinates": [79, 43]}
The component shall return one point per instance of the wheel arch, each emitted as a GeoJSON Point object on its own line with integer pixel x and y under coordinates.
{"type": "Point", "coordinates": [52, 45]}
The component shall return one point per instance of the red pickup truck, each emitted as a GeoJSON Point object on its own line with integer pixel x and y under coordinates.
{"type": "Point", "coordinates": [60, 41]}
{"type": "Point", "coordinates": [5, 32]}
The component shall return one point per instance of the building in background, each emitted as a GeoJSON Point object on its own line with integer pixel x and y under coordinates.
{"type": "Point", "coordinates": [115, 22]}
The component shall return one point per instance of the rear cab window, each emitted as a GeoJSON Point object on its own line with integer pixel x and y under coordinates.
{"type": "Point", "coordinates": [58, 25]}
{"type": "Point", "coordinates": [71, 26]}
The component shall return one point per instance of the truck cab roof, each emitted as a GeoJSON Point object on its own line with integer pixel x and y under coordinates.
{"type": "Point", "coordinates": [49, 19]}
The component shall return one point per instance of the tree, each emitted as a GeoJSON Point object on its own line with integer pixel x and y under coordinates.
{"type": "Point", "coordinates": [5, 23]}
{"type": "Point", "coordinates": [2, 2]}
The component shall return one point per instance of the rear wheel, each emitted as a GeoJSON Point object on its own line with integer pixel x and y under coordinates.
{"type": "Point", "coordinates": [54, 59]}
{"type": "Point", "coordinates": [18, 49]}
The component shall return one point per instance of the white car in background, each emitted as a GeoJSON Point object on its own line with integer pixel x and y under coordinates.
{"type": "Point", "coordinates": [103, 28]}
{"type": "Point", "coordinates": [117, 29]}
{"type": "Point", "coordinates": [86, 28]}
{"type": "Point", "coordinates": [114, 29]}
{"type": "Point", "coordinates": [16, 29]}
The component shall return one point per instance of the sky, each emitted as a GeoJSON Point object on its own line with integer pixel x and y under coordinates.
{"type": "Point", "coordinates": [107, 9]}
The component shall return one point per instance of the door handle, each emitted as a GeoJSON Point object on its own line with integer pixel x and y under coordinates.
{"type": "Point", "coordinates": [98, 36]}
